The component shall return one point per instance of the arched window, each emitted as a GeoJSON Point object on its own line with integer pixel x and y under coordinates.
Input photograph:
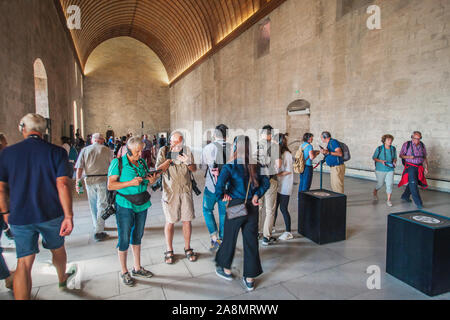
{"type": "Point", "coordinates": [41, 89]}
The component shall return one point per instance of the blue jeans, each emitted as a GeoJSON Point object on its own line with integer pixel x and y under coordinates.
{"type": "Point", "coordinates": [4, 271]}
{"type": "Point", "coordinates": [209, 201]}
{"type": "Point", "coordinates": [306, 179]}
{"type": "Point", "coordinates": [130, 227]}
{"type": "Point", "coordinates": [412, 188]}
{"type": "Point", "coordinates": [26, 237]}
{"type": "Point", "coordinates": [98, 201]}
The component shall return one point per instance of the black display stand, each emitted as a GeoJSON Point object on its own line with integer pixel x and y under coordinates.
{"type": "Point", "coordinates": [418, 250]}
{"type": "Point", "coordinates": [322, 216]}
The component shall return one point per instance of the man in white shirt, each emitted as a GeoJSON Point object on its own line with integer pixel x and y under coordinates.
{"type": "Point", "coordinates": [214, 156]}
{"type": "Point", "coordinates": [94, 160]}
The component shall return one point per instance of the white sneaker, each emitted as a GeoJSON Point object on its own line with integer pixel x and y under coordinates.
{"type": "Point", "coordinates": [286, 236]}
{"type": "Point", "coordinates": [389, 203]}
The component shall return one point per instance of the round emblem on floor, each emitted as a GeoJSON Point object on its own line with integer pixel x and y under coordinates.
{"type": "Point", "coordinates": [426, 219]}
{"type": "Point", "coordinates": [321, 194]}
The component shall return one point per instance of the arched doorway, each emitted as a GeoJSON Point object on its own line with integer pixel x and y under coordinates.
{"type": "Point", "coordinates": [298, 122]}
{"type": "Point", "coordinates": [41, 94]}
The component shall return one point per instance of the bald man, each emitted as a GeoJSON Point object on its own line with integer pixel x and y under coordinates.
{"type": "Point", "coordinates": [177, 163]}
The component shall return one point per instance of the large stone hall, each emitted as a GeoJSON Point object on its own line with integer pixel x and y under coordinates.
{"type": "Point", "coordinates": [357, 69]}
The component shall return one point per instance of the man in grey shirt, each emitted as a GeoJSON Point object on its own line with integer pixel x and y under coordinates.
{"type": "Point", "coordinates": [268, 156]}
{"type": "Point", "coordinates": [94, 161]}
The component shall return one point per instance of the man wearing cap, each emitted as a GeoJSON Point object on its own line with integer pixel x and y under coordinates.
{"type": "Point", "coordinates": [94, 161]}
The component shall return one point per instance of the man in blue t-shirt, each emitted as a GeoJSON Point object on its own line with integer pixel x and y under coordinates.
{"type": "Point", "coordinates": [36, 174]}
{"type": "Point", "coordinates": [334, 160]}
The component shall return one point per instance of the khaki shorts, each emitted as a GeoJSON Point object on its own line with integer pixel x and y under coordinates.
{"type": "Point", "coordinates": [179, 207]}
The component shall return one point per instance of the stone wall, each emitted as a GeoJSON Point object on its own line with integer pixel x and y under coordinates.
{"type": "Point", "coordinates": [31, 29]}
{"type": "Point", "coordinates": [125, 84]}
{"type": "Point", "coordinates": [361, 83]}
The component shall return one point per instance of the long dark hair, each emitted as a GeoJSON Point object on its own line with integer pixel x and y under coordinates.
{"type": "Point", "coordinates": [241, 149]}
{"type": "Point", "coordinates": [282, 142]}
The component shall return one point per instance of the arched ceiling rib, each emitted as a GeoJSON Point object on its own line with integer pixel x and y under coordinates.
{"type": "Point", "coordinates": [180, 32]}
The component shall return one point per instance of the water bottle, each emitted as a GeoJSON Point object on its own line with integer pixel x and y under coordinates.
{"type": "Point", "coordinates": [80, 186]}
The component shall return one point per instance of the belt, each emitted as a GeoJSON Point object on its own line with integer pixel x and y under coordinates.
{"type": "Point", "coordinates": [97, 175]}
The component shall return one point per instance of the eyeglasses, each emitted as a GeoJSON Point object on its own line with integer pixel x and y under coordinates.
{"type": "Point", "coordinates": [417, 138]}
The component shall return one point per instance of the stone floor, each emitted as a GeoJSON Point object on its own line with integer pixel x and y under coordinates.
{"type": "Point", "coordinates": [297, 269]}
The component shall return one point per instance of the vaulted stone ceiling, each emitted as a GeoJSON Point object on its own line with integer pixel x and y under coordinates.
{"type": "Point", "coordinates": [181, 32]}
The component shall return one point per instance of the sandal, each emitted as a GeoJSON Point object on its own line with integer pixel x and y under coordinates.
{"type": "Point", "coordinates": [169, 257]}
{"type": "Point", "coordinates": [190, 254]}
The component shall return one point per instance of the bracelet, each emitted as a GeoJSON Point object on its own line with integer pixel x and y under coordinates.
{"type": "Point", "coordinates": [4, 213]}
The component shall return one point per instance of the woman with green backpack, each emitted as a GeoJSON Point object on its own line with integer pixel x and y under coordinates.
{"type": "Point", "coordinates": [385, 157]}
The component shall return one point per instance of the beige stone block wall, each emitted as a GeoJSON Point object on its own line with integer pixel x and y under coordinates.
{"type": "Point", "coordinates": [361, 83]}
{"type": "Point", "coordinates": [125, 84]}
{"type": "Point", "coordinates": [31, 29]}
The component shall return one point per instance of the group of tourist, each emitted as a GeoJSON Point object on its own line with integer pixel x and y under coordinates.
{"type": "Point", "coordinates": [247, 187]}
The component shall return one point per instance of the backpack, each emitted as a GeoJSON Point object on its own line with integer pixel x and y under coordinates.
{"type": "Point", "coordinates": [73, 154]}
{"type": "Point", "coordinates": [300, 161]}
{"type": "Point", "coordinates": [345, 151]}
{"type": "Point", "coordinates": [111, 196]}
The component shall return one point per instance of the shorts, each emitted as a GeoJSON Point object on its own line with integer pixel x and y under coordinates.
{"type": "Point", "coordinates": [130, 227]}
{"type": "Point", "coordinates": [26, 237]}
{"type": "Point", "coordinates": [180, 207]}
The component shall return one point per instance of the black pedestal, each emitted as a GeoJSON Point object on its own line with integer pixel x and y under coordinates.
{"type": "Point", "coordinates": [322, 216]}
{"type": "Point", "coordinates": [418, 250]}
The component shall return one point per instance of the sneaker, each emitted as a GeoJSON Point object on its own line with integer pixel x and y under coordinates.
{"type": "Point", "coordinates": [222, 274]}
{"type": "Point", "coordinates": [389, 203]}
{"type": "Point", "coordinates": [419, 207]}
{"type": "Point", "coordinates": [100, 236]}
{"type": "Point", "coordinates": [406, 200]}
{"type": "Point", "coordinates": [72, 272]}
{"type": "Point", "coordinates": [268, 241]}
{"type": "Point", "coordinates": [260, 236]}
{"type": "Point", "coordinates": [142, 273]}
{"type": "Point", "coordinates": [250, 286]}
{"type": "Point", "coordinates": [127, 279]}
{"type": "Point", "coordinates": [286, 236]}
{"type": "Point", "coordinates": [9, 234]}
{"type": "Point", "coordinates": [215, 245]}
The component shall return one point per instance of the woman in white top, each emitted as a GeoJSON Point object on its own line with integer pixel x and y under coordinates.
{"type": "Point", "coordinates": [285, 183]}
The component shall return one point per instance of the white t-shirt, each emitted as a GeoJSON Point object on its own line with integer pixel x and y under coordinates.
{"type": "Point", "coordinates": [285, 183]}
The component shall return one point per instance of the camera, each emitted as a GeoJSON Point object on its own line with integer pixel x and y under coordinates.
{"type": "Point", "coordinates": [195, 188]}
{"type": "Point", "coordinates": [157, 185]}
{"type": "Point", "coordinates": [109, 211]}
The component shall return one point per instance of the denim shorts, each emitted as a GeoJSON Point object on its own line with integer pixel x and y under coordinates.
{"type": "Point", "coordinates": [130, 227]}
{"type": "Point", "coordinates": [27, 237]}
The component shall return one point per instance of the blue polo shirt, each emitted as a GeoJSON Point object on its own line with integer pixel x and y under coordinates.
{"type": "Point", "coordinates": [30, 169]}
{"type": "Point", "coordinates": [331, 160]}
